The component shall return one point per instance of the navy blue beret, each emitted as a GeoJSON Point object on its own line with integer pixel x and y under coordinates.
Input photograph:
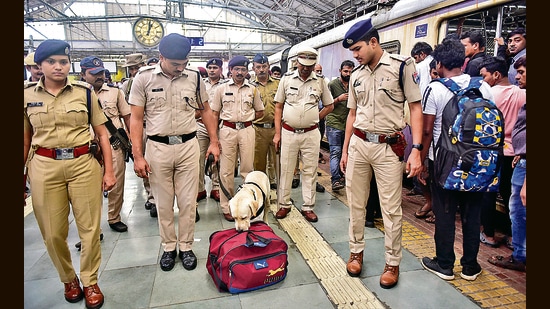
{"type": "Point", "coordinates": [49, 48]}
{"type": "Point", "coordinates": [93, 64]}
{"type": "Point", "coordinates": [175, 46]}
{"type": "Point", "coordinates": [356, 32]}
{"type": "Point", "coordinates": [215, 61]}
{"type": "Point", "coordinates": [260, 58]}
{"type": "Point", "coordinates": [240, 61]}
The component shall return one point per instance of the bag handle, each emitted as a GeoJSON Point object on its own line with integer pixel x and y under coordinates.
{"type": "Point", "coordinates": [261, 241]}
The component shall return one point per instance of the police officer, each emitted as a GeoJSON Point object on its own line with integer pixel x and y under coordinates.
{"type": "Point", "coordinates": [31, 66]}
{"type": "Point", "coordinates": [264, 154]}
{"type": "Point", "coordinates": [377, 101]}
{"type": "Point", "coordinates": [215, 78]}
{"type": "Point", "coordinates": [116, 108]}
{"type": "Point", "coordinates": [296, 129]}
{"type": "Point", "coordinates": [236, 103]}
{"type": "Point", "coordinates": [165, 95]}
{"type": "Point", "coordinates": [62, 172]}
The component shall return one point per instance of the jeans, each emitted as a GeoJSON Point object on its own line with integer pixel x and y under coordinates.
{"type": "Point", "coordinates": [335, 141]}
{"type": "Point", "coordinates": [518, 213]}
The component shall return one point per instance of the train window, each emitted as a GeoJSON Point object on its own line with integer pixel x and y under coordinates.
{"type": "Point", "coordinates": [392, 47]}
{"type": "Point", "coordinates": [493, 22]}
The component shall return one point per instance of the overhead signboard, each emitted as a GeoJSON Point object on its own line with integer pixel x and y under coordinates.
{"type": "Point", "coordinates": [196, 41]}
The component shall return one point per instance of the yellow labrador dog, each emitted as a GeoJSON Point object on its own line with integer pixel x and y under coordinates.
{"type": "Point", "coordinates": [251, 201]}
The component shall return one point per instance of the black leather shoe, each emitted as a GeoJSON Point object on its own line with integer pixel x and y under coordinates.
{"type": "Point", "coordinates": [197, 217]}
{"type": "Point", "coordinates": [188, 259]}
{"type": "Point", "coordinates": [148, 205]}
{"type": "Point", "coordinates": [369, 224]}
{"type": "Point", "coordinates": [78, 245]}
{"type": "Point", "coordinates": [153, 211]}
{"type": "Point", "coordinates": [319, 188]}
{"type": "Point", "coordinates": [167, 261]}
{"type": "Point", "coordinates": [295, 183]}
{"type": "Point", "coordinates": [119, 227]}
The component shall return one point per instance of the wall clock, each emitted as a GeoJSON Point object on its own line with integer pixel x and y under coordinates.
{"type": "Point", "coordinates": [148, 31]}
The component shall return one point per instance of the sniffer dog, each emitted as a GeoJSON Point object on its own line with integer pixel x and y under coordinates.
{"type": "Point", "coordinates": [251, 200]}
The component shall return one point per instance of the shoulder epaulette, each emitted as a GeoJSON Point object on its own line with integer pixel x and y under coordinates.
{"type": "Point", "coordinates": [289, 73]}
{"type": "Point", "coordinates": [357, 68]}
{"type": "Point", "coordinates": [112, 85]}
{"type": "Point", "coordinates": [402, 58]}
{"type": "Point", "coordinates": [82, 84]}
{"type": "Point", "coordinates": [145, 68]}
{"type": "Point", "coordinates": [319, 75]}
{"type": "Point", "coordinates": [28, 84]}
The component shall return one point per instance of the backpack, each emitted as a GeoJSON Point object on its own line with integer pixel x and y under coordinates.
{"type": "Point", "coordinates": [469, 152]}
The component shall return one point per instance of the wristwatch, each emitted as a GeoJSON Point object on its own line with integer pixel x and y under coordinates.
{"type": "Point", "coordinates": [418, 146]}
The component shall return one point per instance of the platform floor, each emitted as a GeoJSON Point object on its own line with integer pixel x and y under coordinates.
{"type": "Point", "coordinates": [131, 278]}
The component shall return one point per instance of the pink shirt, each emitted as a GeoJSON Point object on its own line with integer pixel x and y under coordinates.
{"type": "Point", "coordinates": [509, 99]}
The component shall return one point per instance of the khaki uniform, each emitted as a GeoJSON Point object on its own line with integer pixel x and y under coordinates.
{"type": "Point", "coordinates": [204, 141]}
{"type": "Point", "coordinates": [300, 111]}
{"type": "Point", "coordinates": [379, 102]}
{"type": "Point", "coordinates": [235, 105]}
{"type": "Point", "coordinates": [61, 185]}
{"type": "Point", "coordinates": [174, 167]}
{"type": "Point", "coordinates": [115, 106]}
{"type": "Point", "coordinates": [264, 154]}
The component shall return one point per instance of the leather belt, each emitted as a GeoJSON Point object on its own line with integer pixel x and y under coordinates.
{"type": "Point", "coordinates": [302, 130]}
{"type": "Point", "coordinates": [265, 125]}
{"type": "Point", "coordinates": [237, 125]}
{"type": "Point", "coordinates": [172, 139]}
{"type": "Point", "coordinates": [375, 138]}
{"type": "Point", "coordinates": [63, 153]}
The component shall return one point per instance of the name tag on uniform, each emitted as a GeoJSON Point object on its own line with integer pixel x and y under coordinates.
{"type": "Point", "coordinates": [157, 90]}
{"type": "Point", "coordinates": [34, 104]}
{"type": "Point", "coordinates": [229, 93]}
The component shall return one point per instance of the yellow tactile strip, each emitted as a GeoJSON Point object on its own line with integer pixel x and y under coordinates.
{"type": "Point", "coordinates": [343, 290]}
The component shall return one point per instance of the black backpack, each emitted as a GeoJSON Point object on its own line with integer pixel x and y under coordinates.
{"type": "Point", "coordinates": [469, 152]}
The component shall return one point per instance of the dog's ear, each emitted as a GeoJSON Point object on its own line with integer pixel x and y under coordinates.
{"type": "Point", "coordinates": [254, 207]}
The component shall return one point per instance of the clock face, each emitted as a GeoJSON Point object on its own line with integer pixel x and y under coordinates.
{"type": "Point", "coordinates": [148, 31]}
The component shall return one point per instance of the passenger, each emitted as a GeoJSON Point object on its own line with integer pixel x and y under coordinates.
{"type": "Point", "coordinates": [62, 172]}
{"type": "Point", "coordinates": [509, 99]}
{"type": "Point", "coordinates": [152, 61]}
{"type": "Point", "coordinates": [265, 158]}
{"type": "Point", "coordinates": [366, 148]}
{"type": "Point", "coordinates": [518, 199]}
{"type": "Point", "coordinates": [515, 49]}
{"type": "Point", "coordinates": [215, 78]}
{"type": "Point", "coordinates": [296, 123]}
{"type": "Point", "coordinates": [450, 56]}
{"type": "Point", "coordinates": [236, 103]}
{"type": "Point", "coordinates": [336, 123]}
{"type": "Point", "coordinates": [133, 63]}
{"type": "Point", "coordinates": [117, 109]}
{"type": "Point", "coordinates": [474, 46]}
{"type": "Point", "coordinates": [35, 71]}
{"type": "Point", "coordinates": [171, 160]}
{"type": "Point", "coordinates": [276, 71]}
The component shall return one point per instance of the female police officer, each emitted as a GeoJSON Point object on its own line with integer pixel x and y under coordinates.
{"type": "Point", "coordinates": [62, 171]}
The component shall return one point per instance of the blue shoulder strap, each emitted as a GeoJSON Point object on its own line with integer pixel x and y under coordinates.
{"type": "Point", "coordinates": [449, 83]}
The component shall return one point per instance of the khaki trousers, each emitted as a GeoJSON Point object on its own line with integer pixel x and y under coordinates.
{"type": "Point", "coordinates": [116, 195]}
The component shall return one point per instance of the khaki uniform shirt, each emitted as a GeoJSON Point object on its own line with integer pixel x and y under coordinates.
{"type": "Point", "coordinates": [237, 104]}
{"type": "Point", "coordinates": [167, 101]}
{"type": "Point", "coordinates": [377, 96]}
{"type": "Point", "coordinates": [267, 94]}
{"type": "Point", "coordinates": [301, 99]}
{"type": "Point", "coordinates": [114, 104]}
{"type": "Point", "coordinates": [60, 121]}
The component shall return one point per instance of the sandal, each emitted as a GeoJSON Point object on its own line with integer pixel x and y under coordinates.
{"type": "Point", "coordinates": [509, 243]}
{"type": "Point", "coordinates": [483, 239]}
{"type": "Point", "coordinates": [508, 263]}
{"type": "Point", "coordinates": [421, 214]}
{"type": "Point", "coordinates": [431, 219]}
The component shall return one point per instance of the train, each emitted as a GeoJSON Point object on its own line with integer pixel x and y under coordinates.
{"type": "Point", "coordinates": [409, 21]}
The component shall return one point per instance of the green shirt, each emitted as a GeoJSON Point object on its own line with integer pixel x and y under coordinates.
{"type": "Point", "coordinates": [337, 118]}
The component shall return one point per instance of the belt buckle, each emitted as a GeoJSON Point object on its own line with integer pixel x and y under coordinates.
{"type": "Point", "coordinates": [239, 125]}
{"type": "Point", "coordinates": [267, 125]}
{"type": "Point", "coordinates": [174, 139]}
{"type": "Point", "coordinates": [64, 153]}
{"type": "Point", "coordinates": [299, 131]}
{"type": "Point", "coordinates": [372, 137]}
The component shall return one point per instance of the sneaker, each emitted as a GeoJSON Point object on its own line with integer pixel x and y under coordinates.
{"type": "Point", "coordinates": [470, 273]}
{"type": "Point", "coordinates": [337, 185]}
{"type": "Point", "coordinates": [483, 238]}
{"type": "Point", "coordinates": [432, 266]}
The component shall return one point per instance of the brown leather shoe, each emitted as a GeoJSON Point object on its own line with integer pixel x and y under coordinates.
{"type": "Point", "coordinates": [310, 215]}
{"type": "Point", "coordinates": [201, 195]}
{"type": "Point", "coordinates": [73, 291]}
{"type": "Point", "coordinates": [228, 217]}
{"type": "Point", "coordinates": [355, 264]}
{"type": "Point", "coordinates": [94, 297]}
{"type": "Point", "coordinates": [389, 276]}
{"type": "Point", "coordinates": [282, 212]}
{"type": "Point", "coordinates": [215, 194]}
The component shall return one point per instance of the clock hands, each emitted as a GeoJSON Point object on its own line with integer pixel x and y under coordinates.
{"type": "Point", "coordinates": [149, 27]}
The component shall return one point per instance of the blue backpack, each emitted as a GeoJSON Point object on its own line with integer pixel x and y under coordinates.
{"type": "Point", "coordinates": [469, 152]}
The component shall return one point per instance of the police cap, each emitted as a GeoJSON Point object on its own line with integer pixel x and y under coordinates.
{"type": "Point", "coordinates": [92, 64]}
{"type": "Point", "coordinates": [29, 60]}
{"type": "Point", "coordinates": [215, 61]}
{"type": "Point", "coordinates": [356, 32]}
{"type": "Point", "coordinates": [240, 61]}
{"type": "Point", "coordinates": [175, 46]}
{"type": "Point", "coordinates": [152, 60]}
{"type": "Point", "coordinates": [133, 59]}
{"type": "Point", "coordinates": [49, 48]}
{"type": "Point", "coordinates": [307, 56]}
{"type": "Point", "coordinates": [260, 58]}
